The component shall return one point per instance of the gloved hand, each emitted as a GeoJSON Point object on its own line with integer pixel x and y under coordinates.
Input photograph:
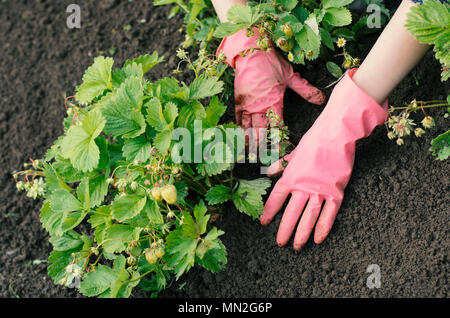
{"type": "Point", "coordinates": [320, 166]}
{"type": "Point", "coordinates": [261, 80]}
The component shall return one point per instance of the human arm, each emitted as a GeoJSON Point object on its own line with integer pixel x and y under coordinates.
{"type": "Point", "coordinates": [393, 56]}
{"type": "Point", "coordinates": [320, 167]}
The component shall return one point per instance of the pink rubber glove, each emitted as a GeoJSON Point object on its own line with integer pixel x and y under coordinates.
{"type": "Point", "coordinates": [320, 166]}
{"type": "Point", "coordinates": [261, 80]}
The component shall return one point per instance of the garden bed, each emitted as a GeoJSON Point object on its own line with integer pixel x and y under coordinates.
{"type": "Point", "coordinates": [395, 212]}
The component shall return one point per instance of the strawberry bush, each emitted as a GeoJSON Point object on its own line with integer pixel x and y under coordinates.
{"type": "Point", "coordinates": [303, 30]}
{"type": "Point", "coordinates": [120, 210]}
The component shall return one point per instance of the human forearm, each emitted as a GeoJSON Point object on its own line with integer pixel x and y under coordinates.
{"type": "Point", "coordinates": [222, 7]}
{"type": "Point", "coordinates": [392, 57]}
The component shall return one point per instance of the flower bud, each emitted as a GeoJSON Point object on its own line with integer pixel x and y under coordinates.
{"type": "Point", "coordinates": [419, 132]}
{"type": "Point", "coordinates": [156, 194]}
{"type": "Point", "coordinates": [428, 122]}
{"type": "Point", "coordinates": [287, 29]}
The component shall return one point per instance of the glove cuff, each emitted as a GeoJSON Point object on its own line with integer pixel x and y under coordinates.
{"type": "Point", "coordinates": [356, 104]}
{"type": "Point", "coordinates": [237, 43]}
{"type": "Point", "coordinates": [350, 113]}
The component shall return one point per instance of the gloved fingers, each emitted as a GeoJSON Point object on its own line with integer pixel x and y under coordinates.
{"type": "Point", "coordinates": [259, 120]}
{"type": "Point", "coordinates": [274, 202]}
{"type": "Point", "coordinates": [326, 219]}
{"type": "Point", "coordinates": [307, 221]}
{"type": "Point", "coordinates": [306, 90]}
{"type": "Point", "coordinates": [277, 167]}
{"type": "Point", "coordinates": [238, 117]}
{"type": "Point", "coordinates": [246, 120]}
{"type": "Point", "coordinates": [290, 217]}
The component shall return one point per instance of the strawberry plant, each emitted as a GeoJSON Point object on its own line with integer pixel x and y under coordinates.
{"type": "Point", "coordinates": [430, 24]}
{"type": "Point", "coordinates": [120, 208]}
{"type": "Point", "coordinates": [303, 30]}
{"type": "Point", "coordinates": [199, 18]}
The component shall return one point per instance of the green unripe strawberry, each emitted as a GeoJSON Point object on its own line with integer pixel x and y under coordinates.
{"type": "Point", "coordinates": [287, 29]}
{"type": "Point", "coordinates": [159, 252]}
{"type": "Point", "coordinates": [286, 45]}
{"type": "Point", "coordinates": [169, 194]}
{"type": "Point", "coordinates": [263, 43]}
{"type": "Point", "coordinates": [156, 194]}
{"type": "Point", "coordinates": [151, 257]}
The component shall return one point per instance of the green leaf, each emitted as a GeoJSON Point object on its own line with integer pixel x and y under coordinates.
{"type": "Point", "coordinates": [301, 14]}
{"type": "Point", "coordinates": [53, 180]}
{"type": "Point", "coordinates": [164, 139]}
{"type": "Point", "coordinates": [218, 194]}
{"type": "Point", "coordinates": [227, 28]}
{"type": "Point", "coordinates": [240, 14]}
{"type": "Point", "coordinates": [58, 222]}
{"type": "Point", "coordinates": [287, 4]}
{"type": "Point", "coordinates": [334, 69]}
{"type": "Point", "coordinates": [98, 189]}
{"type": "Point", "coordinates": [338, 16]}
{"type": "Point", "coordinates": [62, 200]}
{"type": "Point", "coordinates": [309, 41]}
{"type": "Point", "coordinates": [170, 112]}
{"type": "Point", "coordinates": [66, 171]}
{"type": "Point", "coordinates": [180, 252]}
{"type": "Point", "coordinates": [96, 79]}
{"type": "Point", "coordinates": [67, 241]}
{"type": "Point", "coordinates": [59, 260]}
{"type": "Point", "coordinates": [79, 144]}
{"type": "Point", "coordinates": [326, 38]}
{"type": "Point", "coordinates": [137, 149]}
{"type": "Point", "coordinates": [127, 206]}
{"type": "Point", "coordinates": [214, 259]}
{"type": "Point", "coordinates": [429, 23]}
{"type": "Point", "coordinates": [121, 74]}
{"type": "Point", "coordinates": [101, 217]}
{"type": "Point", "coordinates": [335, 3]}
{"type": "Point", "coordinates": [248, 197]}
{"type": "Point", "coordinates": [147, 61]}
{"type": "Point", "coordinates": [201, 219]}
{"type": "Point", "coordinates": [210, 242]}
{"type": "Point", "coordinates": [214, 112]}
{"type": "Point", "coordinates": [97, 281]}
{"type": "Point", "coordinates": [215, 155]}
{"type": "Point", "coordinates": [155, 116]}
{"type": "Point", "coordinates": [205, 86]}
{"type": "Point", "coordinates": [440, 146]}
{"type": "Point", "coordinates": [153, 213]}
{"type": "Point", "coordinates": [117, 235]}
{"type": "Point", "coordinates": [182, 191]}
{"type": "Point", "coordinates": [83, 193]}
{"type": "Point", "coordinates": [123, 116]}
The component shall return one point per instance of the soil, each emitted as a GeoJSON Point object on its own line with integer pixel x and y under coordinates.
{"type": "Point", "coordinates": [396, 208]}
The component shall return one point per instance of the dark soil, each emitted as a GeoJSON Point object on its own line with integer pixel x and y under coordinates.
{"type": "Point", "coordinates": [395, 213]}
